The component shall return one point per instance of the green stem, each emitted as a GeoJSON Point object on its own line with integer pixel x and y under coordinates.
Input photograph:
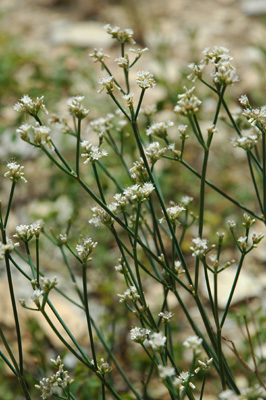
{"type": "Point", "coordinates": [87, 312]}
{"type": "Point", "coordinates": [9, 203]}
{"type": "Point", "coordinates": [78, 146]}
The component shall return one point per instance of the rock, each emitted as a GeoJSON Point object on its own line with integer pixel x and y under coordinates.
{"type": "Point", "coordinates": [248, 286]}
{"type": "Point", "coordinates": [255, 7]}
{"type": "Point", "coordinates": [82, 34]}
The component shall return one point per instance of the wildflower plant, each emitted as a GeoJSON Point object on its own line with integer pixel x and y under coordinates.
{"type": "Point", "coordinates": [149, 231]}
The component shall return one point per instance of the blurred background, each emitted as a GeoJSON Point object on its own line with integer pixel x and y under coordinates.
{"type": "Point", "coordinates": [44, 47]}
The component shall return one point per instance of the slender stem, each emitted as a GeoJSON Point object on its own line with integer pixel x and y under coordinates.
{"type": "Point", "coordinates": [78, 146]}
{"type": "Point", "coordinates": [264, 172]}
{"type": "Point", "coordinates": [240, 264]}
{"type": "Point", "coordinates": [87, 312]}
{"type": "Point", "coordinates": [9, 202]}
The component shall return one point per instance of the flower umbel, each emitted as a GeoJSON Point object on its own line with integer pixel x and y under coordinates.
{"type": "Point", "coordinates": [15, 172]}
{"type": "Point", "coordinates": [29, 106]}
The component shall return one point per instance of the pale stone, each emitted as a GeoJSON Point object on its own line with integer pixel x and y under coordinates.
{"type": "Point", "coordinates": [248, 286]}
{"type": "Point", "coordinates": [254, 7]}
{"type": "Point", "coordinates": [83, 34]}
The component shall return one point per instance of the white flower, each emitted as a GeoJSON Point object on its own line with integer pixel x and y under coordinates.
{"type": "Point", "coordinates": [242, 240]}
{"type": "Point", "coordinates": [157, 340]}
{"type": "Point", "coordinates": [182, 130]}
{"type": "Point", "coordinates": [108, 84]}
{"type": "Point", "coordinates": [139, 335]}
{"type": "Point", "coordinates": [36, 296]}
{"type": "Point", "coordinates": [41, 135]}
{"type": "Point", "coordinates": [129, 99]}
{"type": "Point", "coordinates": [188, 103]}
{"type": "Point", "coordinates": [130, 294]}
{"type": "Point", "coordinates": [204, 366]}
{"type": "Point", "coordinates": [98, 55]}
{"type": "Point", "coordinates": [15, 172]}
{"type": "Point", "coordinates": [165, 371]}
{"type": "Point", "coordinates": [138, 172]}
{"type": "Point", "coordinates": [84, 248]}
{"type": "Point", "coordinates": [255, 115]}
{"type": "Point", "coordinates": [8, 247]}
{"type": "Point", "coordinates": [228, 395]}
{"type": "Point", "coordinates": [246, 142]}
{"type": "Point", "coordinates": [159, 129]}
{"type": "Point", "coordinates": [29, 106]}
{"type": "Point", "coordinates": [166, 316]}
{"type": "Point", "coordinates": [138, 192]}
{"type": "Point", "coordinates": [145, 79]}
{"type": "Point", "coordinates": [243, 100]}
{"type": "Point", "coordinates": [186, 200]}
{"type": "Point", "coordinates": [48, 284]}
{"type": "Point", "coordinates": [76, 108]}
{"type": "Point", "coordinates": [181, 380]}
{"type": "Point", "coordinates": [123, 62]}
{"type": "Point", "coordinates": [200, 247]}
{"type": "Point", "coordinates": [194, 343]}
{"type": "Point", "coordinates": [100, 217]}
{"type": "Point", "coordinates": [23, 131]}
{"type": "Point", "coordinates": [173, 214]}
{"type": "Point", "coordinates": [197, 70]}
{"type": "Point", "coordinates": [154, 152]}
{"type": "Point", "coordinates": [92, 153]}
{"type": "Point", "coordinates": [122, 35]}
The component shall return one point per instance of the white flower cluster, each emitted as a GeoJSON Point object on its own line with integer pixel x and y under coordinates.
{"type": "Point", "coordinates": [157, 340]}
{"type": "Point", "coordinates": [181, 381]}
{"type": "Point", "coordinates": [139, 335]}
{"type": "Point", "coordinates": [225, 72]}
{"type": "Point", "coordinates": [60, 379]}
{"type": "Point", "coordinates": [159, 129]}
{"type": "Point", "coordinates": [92, 153]}
{"type": "Point", "coordinates": [29, 106]}
{"type": "Point", "coordinates": [84, 249]}
{"type": "Point", "coordinates": [48, 284]}
{"type": "Point", "coordinates": [102, 124]}
{"type": "Point", "coordinates": [138, 192]}
{"type": "Point", "coordinates": [138, 172]}
{"type": "Point", "coordinates": [103, 366]}
{"type": "Point", "coordinates": [108, 84]}
{"type": "Point", "coordinates": [98, 55]}
{"type": "Point", "coordinates": [26, 232]}
{"type": "Point", "coordinates": [76, 108]}
{"type": "Point", "coordinates": [188, 103]}
{"type": "Point", "coordinates": [100, 217]}
{"type": "Point", "coordinates": [253, 115]}
{"type": "Point", "coordinates": [36, 296]}
{"type": "Point", "coordinates": [166, 316]}
{"type": "Point", "coordinates": [41, 134]}
{"type": "Point", "coordinates": [254, 392]}
{"type": "Point", "coordinates": [193, 343]}
{"type": "Point", "coordinates": [129, 99]}
{"type": "Point", "coordinates": [173, 214]}
{"type": "Point", "coordinates": [247, 142]}
{"type": "Point", "coordinates": [145, 80]}
{"type": "Point", "coordinates": [130, 294]}
{"type": "Point", "coordinates": [15, 172]}
{"type": "Point", "coordinates": [122, 35]}
{"type": "Point", "coordinates": [200, 247]}
{"type": "Point", "coordinates": [123, 62]}
{"type": "Point", "coordinates": [154, 152]}
{"type": "Point", "coordinates": [186, 200]}
{"type": "Point", "coordinates": [165, 371]}
{"type": "Point", "coordinates": [182, 130]}
{"type": "Point", "coordinates": [8, 247]}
